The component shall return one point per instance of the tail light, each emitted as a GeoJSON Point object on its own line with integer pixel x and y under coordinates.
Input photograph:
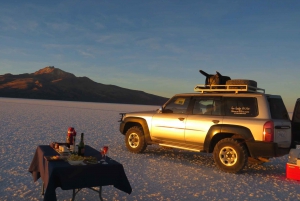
{"type": "Point", "coordinates": [268, 131]}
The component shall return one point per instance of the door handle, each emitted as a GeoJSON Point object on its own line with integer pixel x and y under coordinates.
{"type": "Point", "coordinates": [181, 118]}
{"type": "Point", "coordinates": [215, 121]}
{"type": "Point", "coordinates": [282, 127]}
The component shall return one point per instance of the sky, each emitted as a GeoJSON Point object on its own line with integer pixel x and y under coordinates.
{"type": "Point", "coordinates": [156, 46]}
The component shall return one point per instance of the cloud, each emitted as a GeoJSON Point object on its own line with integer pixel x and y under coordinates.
{"type": "Point", "coordinates": [129, 57]}
{"type": "Point", "coordinates": [105, 38]}
{"type": "Point", "coordinates": [198, 56]}
{"type": "Point", "coordinates": [86, 54]}
{"type": "Point", "coordinates": [100, 25]}
{"type": "Point", "coordinates": [59, 26]}
{"type": "Point", "coordinates": [152, 42]}
{"type": "Point", "coordinates": [60, 46]}
{"type": "Point", "coordinates": [125, 21]}
{"type": "Point", "coordinates": [169, 58]}
{"type": "Point", "coordinates": [115, 39]}
{"type": "Point", "coordinates": [8, 23]}
{"type": "Point", "coordinates": [13, 51]}
{"type": "Point", "coordinates": [174, 48]}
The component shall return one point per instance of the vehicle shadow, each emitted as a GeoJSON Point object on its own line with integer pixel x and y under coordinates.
{"type": "Point", "coordinates": [184, 157]}
{"type": "Point", "coordinates": [276, 167]}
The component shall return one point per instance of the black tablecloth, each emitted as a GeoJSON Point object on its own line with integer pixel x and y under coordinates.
{"type": "Point", "coordinates": [61, 174]}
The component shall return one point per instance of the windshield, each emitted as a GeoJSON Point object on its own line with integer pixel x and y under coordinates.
{"type": "Point", "coordinates": [277, 108]}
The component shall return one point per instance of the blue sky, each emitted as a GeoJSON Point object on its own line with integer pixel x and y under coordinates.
{"type": "Point", "coordinates": [156, 46]}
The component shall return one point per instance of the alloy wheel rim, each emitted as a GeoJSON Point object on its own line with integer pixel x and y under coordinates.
{"type": "Point", "coordinates": [133, 140]}
{"type": "Point", "coordinates": [228, 156]}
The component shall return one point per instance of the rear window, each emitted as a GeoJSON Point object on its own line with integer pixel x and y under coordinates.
{"type": "Point", "coordinates": [277, 109]}
{"type": "Point", "coordinates": [241, 107]}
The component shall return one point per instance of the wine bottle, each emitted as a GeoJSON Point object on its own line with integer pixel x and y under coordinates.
{"type": "Point", "coordinates": [81, 146]}
{"type": "Point", "coordinates": [74, 145]}
{"type": "Point", "coordinates": [68, 141]}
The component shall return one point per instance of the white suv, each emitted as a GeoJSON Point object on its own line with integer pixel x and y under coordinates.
{"type": "Point", "coordinates": [233, 122]}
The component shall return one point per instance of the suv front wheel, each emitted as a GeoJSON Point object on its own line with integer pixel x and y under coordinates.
{"type": "Point", "coordinates": [135, 139]}
{"type": "Point", "coordinates": [230, 155]}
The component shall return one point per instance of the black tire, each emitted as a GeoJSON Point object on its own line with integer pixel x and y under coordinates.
{"type": "Point", "coordinates": [251, 83]}
{"type": "Point", "coordinates": [230, 155]}
{"type": "Point", "coordinates": [135, 140]}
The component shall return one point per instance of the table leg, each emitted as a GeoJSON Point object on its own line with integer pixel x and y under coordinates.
{"type": "Point", "coordinates": [74, 193]}
{"type": "Point", "coordinates": [100, 193]}
{"type": "Point", "coordinates": [43, 188]}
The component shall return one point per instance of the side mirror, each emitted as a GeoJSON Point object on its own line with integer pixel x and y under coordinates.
{"type": "Point", "coordinates": [159, 110]}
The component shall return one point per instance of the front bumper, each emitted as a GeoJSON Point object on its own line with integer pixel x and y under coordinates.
{"type": "Point", "coordinates": [266, 149]}
{"type": "Point", "coordinates": [122, 126]}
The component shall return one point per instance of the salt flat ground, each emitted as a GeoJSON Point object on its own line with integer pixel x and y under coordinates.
{"type": "Point", "coordinates": [157, 174]}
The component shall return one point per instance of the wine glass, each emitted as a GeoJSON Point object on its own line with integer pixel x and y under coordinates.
{"type": "Point", "coordinates": [102, 155]}
{"type": "Point", "coordinates": [105, 150]}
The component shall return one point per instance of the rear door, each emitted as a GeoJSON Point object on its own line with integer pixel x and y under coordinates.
{"type": "Point", "coordinates": [206, 113]}
{"type": "Point", "coordinates": [296, 123]}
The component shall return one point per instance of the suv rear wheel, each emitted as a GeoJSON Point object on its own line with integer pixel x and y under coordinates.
{"type": "Point", "coordinates": [135, 140]}
{"type": "Point", "coordinates": [230, 155]}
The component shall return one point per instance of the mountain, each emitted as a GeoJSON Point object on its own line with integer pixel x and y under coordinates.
{"type": "Point", "coordinates": [54, 84]}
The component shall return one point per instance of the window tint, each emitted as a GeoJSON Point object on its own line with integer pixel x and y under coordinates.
{"type": "Point", "coordinates": [207, 106]}
{"type": "Point", "coordinates": [241, 107]}
{"type": "Point", "coordinates": [177, 105]}
{"type": "Point", "coordinates": [277, 108]}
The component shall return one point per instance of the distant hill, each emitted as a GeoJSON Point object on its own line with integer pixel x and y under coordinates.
{"type": "Point", "coordinates": [54, 84]}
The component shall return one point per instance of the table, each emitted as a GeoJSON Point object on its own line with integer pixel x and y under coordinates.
{"type": "Point", "coordinates": [61, 174]}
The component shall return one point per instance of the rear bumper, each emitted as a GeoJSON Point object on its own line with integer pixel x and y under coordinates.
{"type": "Point", "coordinates": [266, 149]}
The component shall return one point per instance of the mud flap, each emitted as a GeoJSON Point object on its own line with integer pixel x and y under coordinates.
{"type": "Point", "coordinates": [259, 160]}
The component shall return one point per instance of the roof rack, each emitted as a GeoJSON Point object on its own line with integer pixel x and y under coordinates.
{"type": "Point", "coordinates": [227, 88]}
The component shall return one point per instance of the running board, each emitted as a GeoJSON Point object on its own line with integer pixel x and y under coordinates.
{"type": "Point", "coordinates": [179, 147]}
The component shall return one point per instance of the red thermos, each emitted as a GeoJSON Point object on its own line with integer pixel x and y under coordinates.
{"type": "Point", "coordinates": [71, 133]}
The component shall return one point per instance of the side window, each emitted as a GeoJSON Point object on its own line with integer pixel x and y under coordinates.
{"type": "Point", "coordinates": [178, 105]}
{"type": "Point", "coordinates": [207, 106]}
{"type": "Point", "coordinates": [277, 108]}
{"type": "Point", "coordinates": [242, 107]}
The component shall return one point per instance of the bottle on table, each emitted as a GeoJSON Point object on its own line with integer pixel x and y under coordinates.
{"type": "Point", "coordinates": [68, 141]}
{"type": "Point", "coordinates": [73, 150]}
{"type": "Point", "coordinates": [81, 146]}
{"type": "Point", "coordinates": [70, 135]}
